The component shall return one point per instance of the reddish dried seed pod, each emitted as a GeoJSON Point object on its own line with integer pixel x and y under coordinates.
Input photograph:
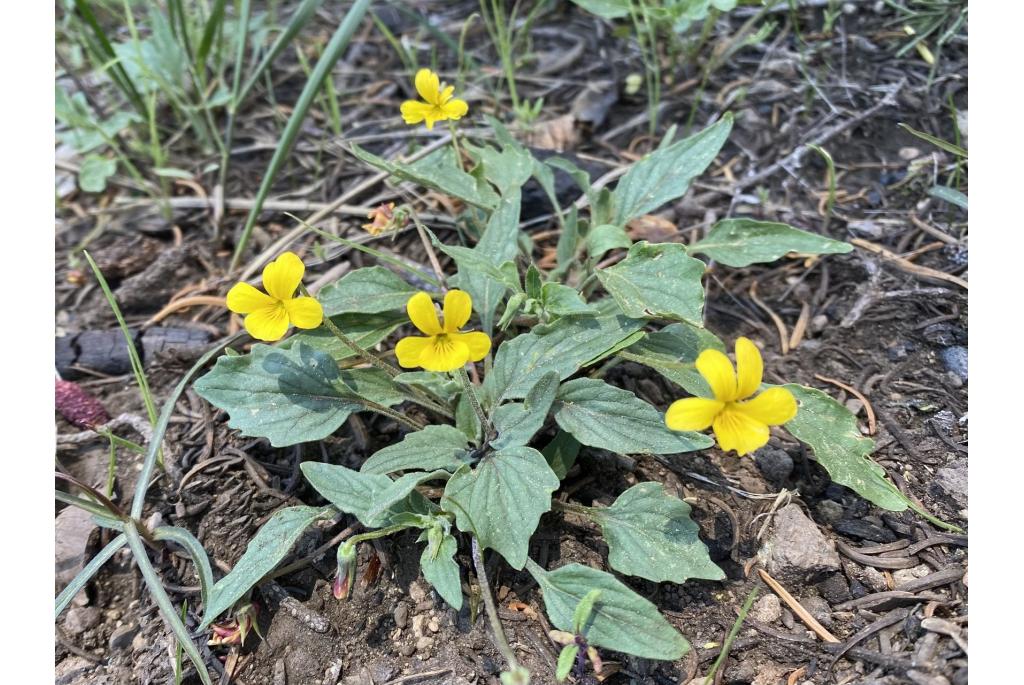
{"type": "Point", "coordinates": [77, 406]}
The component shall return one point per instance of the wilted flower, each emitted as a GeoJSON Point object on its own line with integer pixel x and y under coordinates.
{"type": "Point", "coordinates": [384, 219]}
{"type": "Point", "coordinates": [235, 630]}
{"type": "Point", "coordinates": [346, 577]}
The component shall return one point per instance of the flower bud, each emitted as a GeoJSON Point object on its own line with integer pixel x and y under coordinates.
{"type": "Point", "coordinates": [346, 578]}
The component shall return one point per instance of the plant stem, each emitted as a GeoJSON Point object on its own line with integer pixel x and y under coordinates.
{"type": "Point", "coordinates": [353, 345]}
{"type": "Point", "coordinates": [492, 611]}
{"type": "Point", "coordinates": [374, 534]}
{"type": "Point", "coordinates": [391, 414]}
{"type": "Point", "coordinates": [455, 145]}
{"type": "Point", "coordinates": [572, 508]}
{"type": "Point", "coordinates": [485, 423]}
{"type": "Point", "coordinates": [732, 635]}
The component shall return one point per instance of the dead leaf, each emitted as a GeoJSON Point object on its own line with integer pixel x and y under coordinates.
{"type": "Point", "coordinates": [652, 228]}
{"type": "Point", "coordinates": [523, 608]}
{"type": "Point", "coordinates": [557, 134]}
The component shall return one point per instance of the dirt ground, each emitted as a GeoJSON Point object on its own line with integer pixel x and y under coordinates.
{"type": "Point", "coordinates": [886, 336]}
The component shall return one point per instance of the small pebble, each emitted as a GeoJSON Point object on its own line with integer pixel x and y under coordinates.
{"type": "Point", "coordinates": [819, 609]}
{"type": "Point", "coordinates": [424, 643]}
{"type": "Point", "coordinates": [407, 650]}
{"type": "Point", "coordinates": [80, 619]}
{"type": "Point", "coordinates": [768, 609]}
{"type": "Point", "coordinates": [417, 592]}
{"type": "Point", "coordinates": [434, 626]}
{"type": "Point", "coordinates": [402, 615]}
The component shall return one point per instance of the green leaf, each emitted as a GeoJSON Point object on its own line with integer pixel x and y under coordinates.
{"type": "Point", "coordinates": [564, 347]}
{"type": "Point", "coordinates": [516, 422]}
{"type": "Point", "coordinates": [581, 616]}
{"type": "Point", "coordinates": [740, 242]}
{"type": "Point", "coordinates": [265, 551]}
{"type": "Point", "coordinates": [365, 329]}
{"type": "Point", "coordinates": [533, 282]}
{"type": "Point", "coordinates": [442, 571]}
{"type": "Point", "coordinates": [94, 172]}
{"type": "Point", "coordinates": [438, 383]}
{"type": "Point", "coordinates": [666, 173]}
{"type": "Point", "coordinates": [672, 352]}
{"type": "Point", "coordinates": [508, 169]}
{"type": "Point", "coordinates": [438, 171]}
{"type": "Point", "coordinates": [606, 9]}
{"type": "Point", "coordinates": [434, 447]}
{"type": "Point", "coordinates": [606, 237]}
{"type": "Point", "coordinates": [480, 272]}
{"type": "Point", "coordinates": [831, 432]}
{"type": "Point", "coordinates": [950, 195]}
{"type": "Point", "coordinates": [561, 453]}
{"type": "Point", "coordinates": [659, 281]}
{"type": "Point", "coordinates": [622, 620]}
{"type": "Point", "coordinates": [650, 534]}
{"type": "Point", "coordinates": [386, 501]}
{"type": "Point", "coordinates": [502, 499]}
{"type": "Point", "coordinates": [937, 142]}
{"type": "Point", "coordinates": [367, 291]}
{"type": "Point", "coordinates": [561, 300]}
{"type": "Point", "coordinates": [603, 416]}
{"type": "Point", "coordinates": [354, 492]}
{"type": "Point", "coordinates": [289, 395]}
{"type": "Point", "coordinates": [566, 660]}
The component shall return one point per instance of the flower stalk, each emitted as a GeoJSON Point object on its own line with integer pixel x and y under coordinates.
{"type": "Point", "coordinates": [492, 610]}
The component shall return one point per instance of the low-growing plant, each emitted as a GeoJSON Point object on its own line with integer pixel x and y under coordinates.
{"type": "Point", "coordinates": [502, 393]}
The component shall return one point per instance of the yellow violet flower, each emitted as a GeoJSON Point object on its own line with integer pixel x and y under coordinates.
{"type": "Point", "coordinates": [738, 425]}
{"type": "Point", "coordinates": [445, 348]}
{"type": "Point", "coordinates": [439, 105]}
{"type": "Point", "coordinates": [269, 315]}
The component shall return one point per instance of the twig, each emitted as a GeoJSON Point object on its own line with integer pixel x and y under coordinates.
{"type": "Point", "coordinates": [780, 326]}
{"type": "Point", "coordinates": [906, 265]}
{"type": "Point", "coordinates": [797, 608]}
{"type": "Point", "coordinates": [797, 155]}
{"type": "Point", "coordinates": [856, 393]}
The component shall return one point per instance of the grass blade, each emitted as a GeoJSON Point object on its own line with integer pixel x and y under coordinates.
{"type": "Point", "coordinates": [339, 41]}
{"type": "Point", "coordinates": [86, 574]}
{"type": "Point", "coordinates": [937, 142]}
{"type": "Point", "coordinates": [302, 15]}
{"type": "Point", "coordinates": [744, 610]}
{"type": "Point", "coordinates": [170, 614]}
{"type": "Point", "coordinates": [164, 420]}
{"type": "Point", "coordinates": [102, 44]}
{"type": "Point", "coordinates": [133, 354]}
{"type": "Point", "coordinates": [195, 550]}
{"type": "Point", "coordinates": [213, 24]}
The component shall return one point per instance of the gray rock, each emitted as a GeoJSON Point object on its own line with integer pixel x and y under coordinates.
{"type": "Point", "coordinates": [819, 609]}
{"type": "Point", "coordinates": [122, 637]}
{"type": "Point", "coordinates": [796, 551]}
{"type": "Point", "coordinates": [402, 615]}
{"type": "Point", "coordinates": [955, 359]}
{"type": "Point", "coordinates": [952, 481]}
{"type": "Point", "coordinates": [776, 465]}
{"type": "Point", "coordinates": [768, 609]}
{"type": "Point", "coordinates": [830, 511]}
{"type": "Point", "coordinates": [80, 619]}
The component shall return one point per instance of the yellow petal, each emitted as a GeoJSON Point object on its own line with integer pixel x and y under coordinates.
{"type": "Point", "coordinates": [717, 371]}
{"type": "Point", "coordinates": [409, 349]}
{"type": "Point", "coordinates": [268, 323]}
{"type": "Point", "coordinates": [737, 431]}
{"type": "Point", "coordinates": [414, 111]}
{"type": "Point", "coordinates": [455, 109]}
{"type": "Point", "coordinates": [428, 85]}
{"type": "Point", "coordinates": [775, 406]}
{"type": "Point", "coordinates": [692, 413]}
{"type": "Point", "coordinates": [243, 298]}
{"type": "Point", "coordinates": [422, 313]}
{"type": "Point", "coordinates": [458, 305]}
{"type": "Point", "coordinates": [304, 312]}
{"type": "Point", "coordinates": [749, 368]}
{"type": "Point", "coordinates": [282, 276]}
{"type": "Point", "coordinates": [445, 353]}
{"type": "Point", "coordinates": [478, 344]}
